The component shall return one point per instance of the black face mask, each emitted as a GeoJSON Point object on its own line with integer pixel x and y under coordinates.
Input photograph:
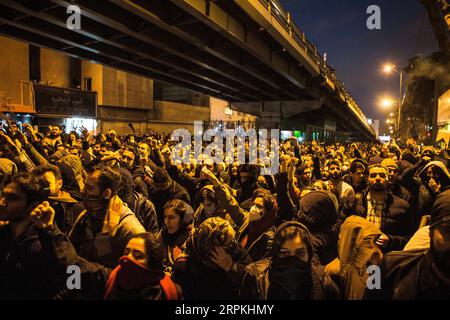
{"type": "Point", "coordinates": [292, 277]}
{"type": "Point", "coordinates": [94, 204]}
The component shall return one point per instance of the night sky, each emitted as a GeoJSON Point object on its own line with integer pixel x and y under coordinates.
{"type": "Point", "coordinates": [338, 27]}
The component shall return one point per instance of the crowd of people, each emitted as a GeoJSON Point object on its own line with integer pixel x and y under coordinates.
{"type": "Point", "coordinates": [140, 225]}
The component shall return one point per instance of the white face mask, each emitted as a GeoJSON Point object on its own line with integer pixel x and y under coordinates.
{"type": "Point", "coordinates": [255, 214]}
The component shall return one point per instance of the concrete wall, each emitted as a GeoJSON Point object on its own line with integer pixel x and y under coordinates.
{"type": "Point", "coordinates": [55, 67]}
{"type": "Point", "coordinates": [13, 67]}
{"type": "Point", "coordinates": [122, 128]}
{"type": "Point", "coordinates": [218, 108]}
{"type": "Point", "coordinates": [95, 72]}
{"type": "Point", "coordinates": [126, 90]}
{"type": "Point", "coordinates": [168, 116]}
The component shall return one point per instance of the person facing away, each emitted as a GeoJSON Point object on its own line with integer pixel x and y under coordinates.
{"type": "Point", "coordinates": [357, 250]}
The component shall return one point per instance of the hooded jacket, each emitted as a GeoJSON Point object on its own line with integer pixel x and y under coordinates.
{"type": "Point", "coordinates": [256, 280]}
{"type": "Point", "coordinates": [408, 275]}
{"type": "Point", "coordinates": [318, 211]}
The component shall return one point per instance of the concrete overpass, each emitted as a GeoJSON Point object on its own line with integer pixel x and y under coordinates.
{"type": "Point", "coordinates": [247, 52]}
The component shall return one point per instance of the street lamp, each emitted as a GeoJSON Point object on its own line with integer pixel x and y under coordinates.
{"type": "Point", "coordinates": [388, 69]}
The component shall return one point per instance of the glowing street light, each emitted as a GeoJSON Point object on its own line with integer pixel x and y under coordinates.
{"type": "Point", "coordinates": [388, 68]}
{"type": "Point", "coordinates": [387, 102]}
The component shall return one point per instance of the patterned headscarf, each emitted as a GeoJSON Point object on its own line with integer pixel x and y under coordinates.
{"type": "Point", "coordinates": [213, 232]}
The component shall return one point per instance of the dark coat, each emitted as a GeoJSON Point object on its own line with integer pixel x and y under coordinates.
{"type": "Point", "coordinates": [29, 265]}
{"type": "Point", "coordinates": [67, 210]}
{"type": "Point", "coordinates": [139, 184]}
{"type": "Point", "coordinates": [200, 282]}
{"type": "Point", "coordinates": [396, 221]}
{"type": "Point", "coordinates": [409, 276]}
{"type": "Point", "coordinates": [256, 283]}
{"type": "Point", "coordinates": [145, 211]}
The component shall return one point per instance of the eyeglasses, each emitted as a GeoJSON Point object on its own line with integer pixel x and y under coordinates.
{"type": "Point", "coordinates": [378, 174]}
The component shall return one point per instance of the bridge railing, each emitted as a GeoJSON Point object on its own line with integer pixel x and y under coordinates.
{"type": "Point", "coordinates": [284, 18]}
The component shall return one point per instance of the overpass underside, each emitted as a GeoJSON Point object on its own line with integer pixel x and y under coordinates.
{"type": "Point", "coordinates": [234, 50]}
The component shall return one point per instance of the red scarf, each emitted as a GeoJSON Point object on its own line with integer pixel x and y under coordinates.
{"type": "Point", "coordinates": [132, 275]}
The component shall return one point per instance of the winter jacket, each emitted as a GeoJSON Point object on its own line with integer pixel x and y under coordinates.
{"type": "Point", "coordinates": [95, 246]}
{"type": "Point", "coordinates": [139, 184]}
{"type": "Point", "coordinates": [256, 283]}
{"type": "Point", "coordinates": [67, 210]}
{"type": "Point", "coordinates": [409, 275]}
{"type": "Point", "coordinates": [396, 221]}
{"type": "Point", "coordinates": [33, 265]}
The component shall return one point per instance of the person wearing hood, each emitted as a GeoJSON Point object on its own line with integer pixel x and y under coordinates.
{"type": "Point", "coordinates": [212, 264]}
{"type": "Point", "coordinates": [394, 182]}
{"type": "Point", "coordinates": [67, 208]}
{"type": "Point", "coordinates": [131, 160]}
{"type": "Point", "coordinates": [178, 216]}
{"type": "Point", "coordinates": [76, 165]}
{"type": "Point", "coordinates": [142, 207]}
{"type": "Point", "coordinates": [289, 273]}
{"type": "Point", "coordinates": [435, 178]}
{"type": "Point", "coordinates": [356, 251]}
{"type": "Point", "coordinates": [409, 178]}
{"type": "Point", "coordinates": [208, 205]}
{"type": "Point", "coordinates": [247, 178]}
{"type": "Point", "coordinates": [422, 274]}
{"type": "Point", "coordinates": [104, 228]}
{"type": "Point", "coordinates": [318, 211]}
{"type": "Point", "coordinates": [165, 189]}
{"type": "Point", "coordinates": [70, 183]}
{"type": "Point", "coordinates": [254, 227]}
